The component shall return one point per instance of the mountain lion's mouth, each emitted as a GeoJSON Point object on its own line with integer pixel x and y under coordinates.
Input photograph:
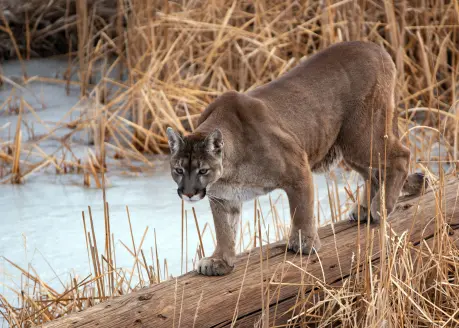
{"type": "Point", "coordinates": [193, 198]}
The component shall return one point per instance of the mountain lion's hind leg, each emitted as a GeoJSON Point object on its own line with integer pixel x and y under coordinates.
{"type": "Point", "coordinates": [359, 210]}
{"type": "Point", "coordinates": [226, 217]}
{"type": "Point", "coordinates": [303, 233]}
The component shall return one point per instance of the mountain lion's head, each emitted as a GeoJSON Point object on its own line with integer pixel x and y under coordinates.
{"type": "Point", "coordinates": [196, 162]}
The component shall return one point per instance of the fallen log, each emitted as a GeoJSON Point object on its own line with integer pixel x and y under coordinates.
{"type": "Point", "coordinates": [193, 300]}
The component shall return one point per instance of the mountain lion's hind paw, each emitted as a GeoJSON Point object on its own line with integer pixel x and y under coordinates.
{"type": "Point", "coordinates": [357, 213]}
{"type": "Point", "coordinates": [308, 244]}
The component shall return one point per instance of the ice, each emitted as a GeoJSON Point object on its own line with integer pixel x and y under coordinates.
{"type": "Point", "coordinates": [41, 220]}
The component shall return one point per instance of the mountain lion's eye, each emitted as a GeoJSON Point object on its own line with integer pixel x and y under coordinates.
{"type": "Point", "coordinates": [203, 171]}
{"type": "Point", "coordinates": [179, 171]}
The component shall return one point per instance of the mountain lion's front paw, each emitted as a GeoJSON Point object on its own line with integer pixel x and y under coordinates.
{"type": "Point", "coordinates": [308, 244]}
{"type": "Point", "coordinates": [213, 266]}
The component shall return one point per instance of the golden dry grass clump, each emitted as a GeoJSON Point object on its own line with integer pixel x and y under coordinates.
{"type": "Point", "coordinates": [153, 64]}
{"type": "Point", "coordinates": [408, 286]}
{"type": "Point", "coordinates": [179, 56]}
{"type": "Point", "coordinates": [147, 65]}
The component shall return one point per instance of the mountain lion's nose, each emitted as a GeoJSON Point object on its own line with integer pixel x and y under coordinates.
{"type": "Point", "coordinates": [189, 195]}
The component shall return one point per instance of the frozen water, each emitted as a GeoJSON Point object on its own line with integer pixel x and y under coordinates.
{"type": "Point", "coordinates": [41, 221]}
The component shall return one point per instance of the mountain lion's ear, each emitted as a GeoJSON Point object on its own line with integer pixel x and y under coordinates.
{"type": "Point", "coordinates": [215, 141]}
{"type": "Point", "coordinates": [174, 139]}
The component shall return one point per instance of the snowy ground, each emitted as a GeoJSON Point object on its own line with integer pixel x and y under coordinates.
{"type": "Point", "coordinates": [41, 222]}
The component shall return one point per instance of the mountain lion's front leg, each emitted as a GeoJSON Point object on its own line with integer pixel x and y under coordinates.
{"type": "Point", "coordinates": [301, 201]}
{"type": "Point", "coordinates": [226, 217]}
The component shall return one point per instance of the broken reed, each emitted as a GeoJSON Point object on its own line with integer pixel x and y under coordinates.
{"type": "Point", "coordinates": [158, 64]}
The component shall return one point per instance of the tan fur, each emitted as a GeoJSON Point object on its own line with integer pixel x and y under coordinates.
{"type": "Point", "coordinates": [339, 103]}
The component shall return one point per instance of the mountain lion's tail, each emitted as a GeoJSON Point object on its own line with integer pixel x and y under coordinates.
{"type": "Point", "coordinates": [414, 184]}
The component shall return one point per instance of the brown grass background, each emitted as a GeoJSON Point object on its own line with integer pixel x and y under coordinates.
{"type": "Point", "coordinates": [145, 65]}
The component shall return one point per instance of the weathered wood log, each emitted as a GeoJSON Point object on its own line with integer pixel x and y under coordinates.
{"type": "Point", "coordinates": [197, 301]}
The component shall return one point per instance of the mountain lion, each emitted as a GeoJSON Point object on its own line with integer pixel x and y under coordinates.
{"type": "Point", "coordinates": [338, 104]}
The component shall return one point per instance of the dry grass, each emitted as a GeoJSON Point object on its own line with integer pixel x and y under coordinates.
{"type": "Point", "coordinates": [170, 60]}
{"type": "Point", "coordinates": [400, 285]}
{"type": "Point", "coordinates": [36, 302]}
{"type": "Point", "coordinates": [159, 64]}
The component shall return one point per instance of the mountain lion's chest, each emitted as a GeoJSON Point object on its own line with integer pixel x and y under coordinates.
{"type": "Point", "coordinates": [237, 193]}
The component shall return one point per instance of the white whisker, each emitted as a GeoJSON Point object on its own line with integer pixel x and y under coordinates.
{"type": "Point", "coordinates": [213, 196]}
{"type": "Point", "coordinates": [215, 200]}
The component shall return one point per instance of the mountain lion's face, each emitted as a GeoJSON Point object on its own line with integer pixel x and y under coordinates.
{"type": "Point", "coordinates": [196, 162]}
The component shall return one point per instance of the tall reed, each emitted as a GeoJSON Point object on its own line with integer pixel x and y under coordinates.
{"type": "Point", "coordinates": [158, 64]}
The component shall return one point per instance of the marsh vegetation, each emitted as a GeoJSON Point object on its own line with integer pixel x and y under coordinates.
{"type": "Point", "coordinates": [131, 68]}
